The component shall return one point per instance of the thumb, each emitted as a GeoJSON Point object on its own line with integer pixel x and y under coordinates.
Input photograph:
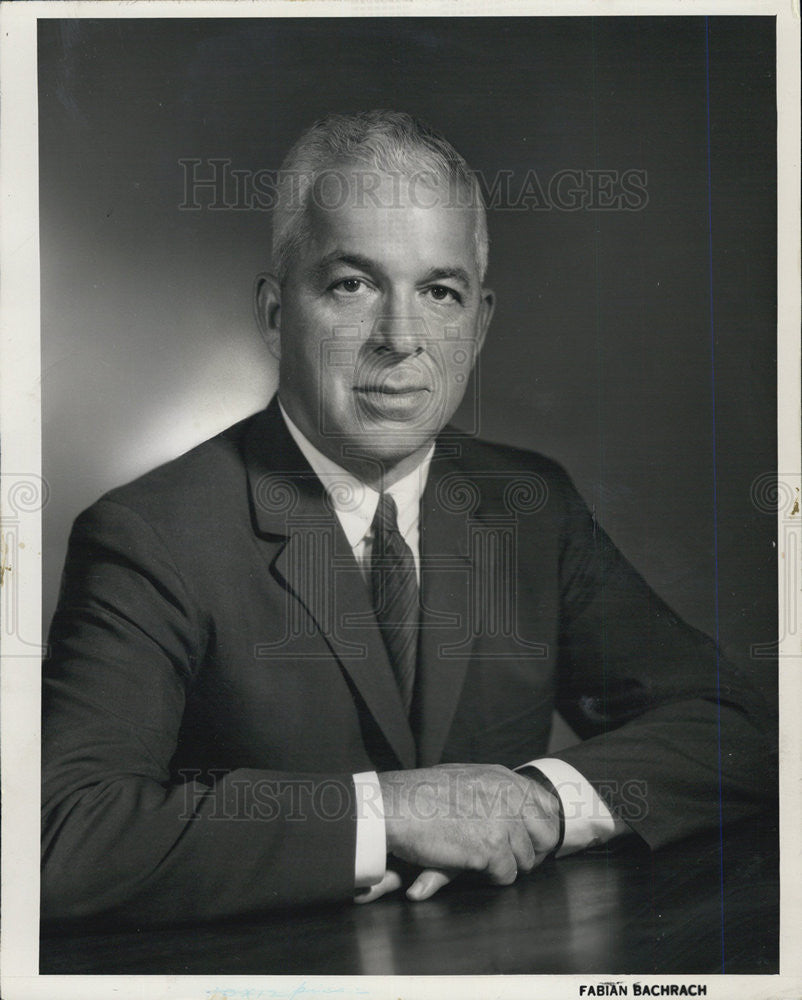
{"type": "Point", "coordinates": [429, 882]}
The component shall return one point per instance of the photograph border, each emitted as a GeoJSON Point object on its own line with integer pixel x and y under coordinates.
{"type": "Point", "coordinates": [20, 509]}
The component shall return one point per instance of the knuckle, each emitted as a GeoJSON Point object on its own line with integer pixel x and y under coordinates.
{"type": "Point", "coordinates": [496, 839]}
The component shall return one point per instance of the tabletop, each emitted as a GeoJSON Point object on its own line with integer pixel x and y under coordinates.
{"type": "Point", "coordinates": [706, 905]}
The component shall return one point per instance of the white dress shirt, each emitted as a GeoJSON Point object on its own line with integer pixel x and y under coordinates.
{"type": "Point", "coordinates": [588, 821]}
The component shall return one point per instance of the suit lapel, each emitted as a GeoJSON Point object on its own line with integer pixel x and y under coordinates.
{"type": "Point", "coordinates": [446, 637]}
{"type": "Point", "coordinates": [317, 566]}
{"type": "Point", "coordinates": [327, 582]}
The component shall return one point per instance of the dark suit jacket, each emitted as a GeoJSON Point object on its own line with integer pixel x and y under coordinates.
{"type": "Point", "coordinates": [216, 676]}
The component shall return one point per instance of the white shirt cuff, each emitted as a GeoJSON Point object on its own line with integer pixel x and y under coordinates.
{"type": "Point", "coordinates": [370, 859]}
{"type": "Point", "coordinates": [588, 821]}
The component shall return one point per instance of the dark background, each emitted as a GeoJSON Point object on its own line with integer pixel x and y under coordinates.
{"type": "Point", "coordinates": [637, 347]}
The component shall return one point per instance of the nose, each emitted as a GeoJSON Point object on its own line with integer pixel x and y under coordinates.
{"type": "Point", "coordinates": [400, 332]}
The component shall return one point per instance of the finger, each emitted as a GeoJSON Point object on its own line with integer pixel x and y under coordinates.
{"type": "Point", "coordinates": [390, 882]}
{"type": "Point", "coordinates": [521, 844]}
{"type": "Point", "coordinates": [429, 882]}
{"type": "Point", "coordinates": [543, 831]}
{"type": "Point", "coordinates": [502, 869]}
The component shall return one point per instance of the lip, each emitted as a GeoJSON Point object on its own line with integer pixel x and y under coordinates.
{"type": "Point", "coordinates": [395, 403]}
{"type": "Point", "coordinates": [392, 390]}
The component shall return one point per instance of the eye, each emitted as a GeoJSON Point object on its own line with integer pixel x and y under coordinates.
{"type": "Point", "coordinates": [349, 285]}
{"type": "Point", "coordinates": [442, 293]}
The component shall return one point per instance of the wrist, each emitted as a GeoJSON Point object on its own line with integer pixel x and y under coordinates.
{"type": "Point", "coordinates": [556, 809]}
{"type": "Point", "coordinates": [389, 786]}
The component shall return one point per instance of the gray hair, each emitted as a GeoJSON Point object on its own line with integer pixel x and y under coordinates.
{"type": "Point", "coordinates": [387, 141]}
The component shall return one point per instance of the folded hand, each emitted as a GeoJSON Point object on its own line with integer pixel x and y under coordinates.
{"type": "Point", "coordinates": [466, 817]}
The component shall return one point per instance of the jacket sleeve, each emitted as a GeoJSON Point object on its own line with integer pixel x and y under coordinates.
{"type": "Point", "coordinates": [676, 739]}
{"type": "Point", "coordinates": [119, 836]}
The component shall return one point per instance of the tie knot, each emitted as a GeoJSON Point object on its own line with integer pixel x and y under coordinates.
{"type": "Point", "coordinates": [385, 525]}
{"type": "Point", "coordinates": [385, 520]}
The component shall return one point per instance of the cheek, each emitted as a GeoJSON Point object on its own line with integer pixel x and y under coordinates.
{"type": "Point", "coordinates": [455, 352]}
{"type": "Point", "coordinates": [303, 335]}
{"type": "Point", "coordinates": [320, 363]}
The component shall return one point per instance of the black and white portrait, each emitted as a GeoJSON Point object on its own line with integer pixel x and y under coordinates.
{"type": "Point", "coordinates": [413, 512]}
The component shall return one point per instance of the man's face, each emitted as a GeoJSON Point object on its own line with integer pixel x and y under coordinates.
{"type": "Point", "coordinates": [380, 320]}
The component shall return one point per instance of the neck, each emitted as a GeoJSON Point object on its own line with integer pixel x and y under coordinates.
{"type": "Point", "coordinates": [380, 472]}
{"type": "Point", "coordinates": [380, 475]}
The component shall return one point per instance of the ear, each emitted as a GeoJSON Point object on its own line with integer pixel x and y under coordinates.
{"type": "Point", "coordinates": [487, 306]}
{"type": "Point", "coordinates": [267, 311]}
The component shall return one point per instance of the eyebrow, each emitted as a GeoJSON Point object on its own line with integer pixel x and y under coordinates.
{"type": "Point", "coordinates": [455, 273]}
{"type": "Point", "coordinates": [352, 259]}
{"type": "Point", "coordinates": [362, 263]}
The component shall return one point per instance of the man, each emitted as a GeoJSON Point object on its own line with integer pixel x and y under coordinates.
{"type": "Point", "coordinates": [325, 638]}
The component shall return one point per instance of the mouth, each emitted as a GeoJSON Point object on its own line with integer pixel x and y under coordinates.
{"type": "Point", "coordinates": [393, 401]}
{"type": "Point", "coordinates": [394, 390]}
{"type": "Point", "coordinates": [384, 389]}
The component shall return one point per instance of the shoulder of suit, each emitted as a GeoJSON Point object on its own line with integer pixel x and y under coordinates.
{"type": "Point", "coordinates": [501, 478]}
{"type": "Point", "coordinates": [482, 454]}
{"type": "Point", "coordinates": [211, 477]}
{"type": "Point", "coordinates": [207, 477]}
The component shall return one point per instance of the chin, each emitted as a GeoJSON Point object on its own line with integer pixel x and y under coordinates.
{"type": "Point", "coordinates": [391, 444]}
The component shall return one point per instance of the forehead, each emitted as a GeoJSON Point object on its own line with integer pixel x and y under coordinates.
{"type": "Point", "coordinates": [397, 221]}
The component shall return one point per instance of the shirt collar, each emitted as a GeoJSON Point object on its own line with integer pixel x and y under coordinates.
{"type": "Point", "coordinates": [354, 501]}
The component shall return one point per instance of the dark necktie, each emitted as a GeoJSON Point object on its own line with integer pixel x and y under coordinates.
{"type": "Point", "coordinates": [394, 589]}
